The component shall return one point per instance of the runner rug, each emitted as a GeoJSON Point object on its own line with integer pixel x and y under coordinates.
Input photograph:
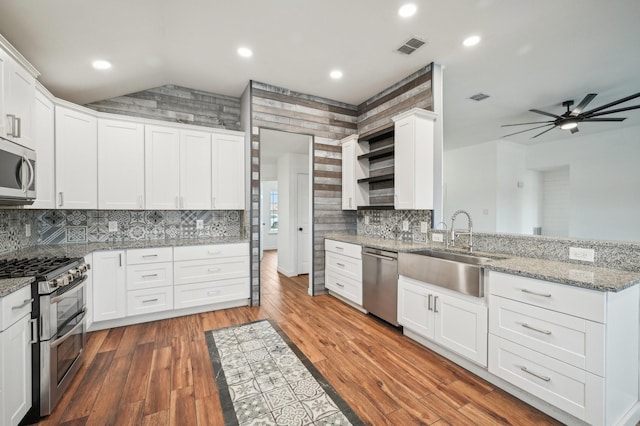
{"type": "Point", "coordinates": [264, 379]}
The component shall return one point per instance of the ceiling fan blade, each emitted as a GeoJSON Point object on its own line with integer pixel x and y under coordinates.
{"type": "Point", "coordinates": [586, 120]}
{"type": "Point", "coordinates": [533, 128]}
{"type": "Point", "coordinates": [544, 113]}
{"type": "Point", "coordinates": [542, 133]}
{"type": "Point", "coordinates": [619, 101]}
{"type": "Point", "coordinates": [521, 124]}
{"type": "Point", "coordinates": [587, 99]}
{"type": "Point", "coordinates": [574, 130]}
{"type": "Point", "coordinates": [613, 111]}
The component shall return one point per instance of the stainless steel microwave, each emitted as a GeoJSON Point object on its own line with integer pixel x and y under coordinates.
{"type": "Point", "coordinates": [17, 174]}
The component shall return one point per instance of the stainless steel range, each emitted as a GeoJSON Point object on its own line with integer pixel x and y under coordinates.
{"type": "Point", "coordinates": [59, 307]}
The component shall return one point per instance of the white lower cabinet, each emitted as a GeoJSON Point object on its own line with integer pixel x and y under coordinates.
{"type": "Point", "coordinates": [343, 270]}
{"type": "Point", "coordinates": [574, 348]}
{"type": "Point", "coordinates": [109, 285]}
{"type": "Point", "coordinates": [206, 293]}
{"type": "Point", "coordinates": [149, 280]}
{"type": "Point", "coordinates": [455, 322]}
{"type": "Point", "coordinates": [15, 356]}
{"type": "Point", "coordinates": [148, 300]}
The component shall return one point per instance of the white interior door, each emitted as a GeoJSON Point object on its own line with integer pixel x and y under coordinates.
{"type": "Point", "coordinates": [303, 224]}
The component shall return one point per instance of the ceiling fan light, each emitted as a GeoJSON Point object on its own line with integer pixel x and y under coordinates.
{"type": "Point", "coordinates": [569, 125]}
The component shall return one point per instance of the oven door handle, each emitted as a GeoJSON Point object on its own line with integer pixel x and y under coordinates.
{"type": "Point", "coordinates": [61, 340]}
{"type": "Point", "coordinates": [75, 287]}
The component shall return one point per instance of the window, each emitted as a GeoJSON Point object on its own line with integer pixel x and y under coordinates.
{"type": "Point", "coordinates": [273, 211]}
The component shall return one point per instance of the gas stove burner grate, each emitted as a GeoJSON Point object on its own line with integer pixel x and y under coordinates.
{"type": "Point", "coordinates": [32, 267]}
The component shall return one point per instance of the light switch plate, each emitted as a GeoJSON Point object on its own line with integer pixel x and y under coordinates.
{"type": "Point", "coordinates": [113, 226]}
{"type": "Point", "coordinates": [584, 254]}
{"type": "Point", "coordinates": [199, 224]}
{"type": "Point", "coordinates": [27, 230]}
{"type": "Point", "coordinates": [405, 225]}
{"type": "Point", "coordinates": [366, 219]}
{"type": "Point", "coordinates": [439, 238]}
{"type": "Point", "coordinates": [424, 227]}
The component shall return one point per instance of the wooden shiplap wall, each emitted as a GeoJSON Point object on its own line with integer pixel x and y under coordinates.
{"type": "Point", "coordinates": [327, 121]}
{"type": "Point", "coordinates": [177, 104]}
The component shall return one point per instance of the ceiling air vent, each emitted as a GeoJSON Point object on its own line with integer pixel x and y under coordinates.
{"type": "Point", "coordinates": [411, 45]}
{"type": "Point", "coordinates": [479, 97]}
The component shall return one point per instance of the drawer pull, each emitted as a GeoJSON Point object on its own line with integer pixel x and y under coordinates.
{"type": "Point", "coordinates": [214, 252]}
{"type": "Point", "coordinates": [150, 300]}
{"type": "Point", "coordinates": [25, 303]}
{"type": "Point", "coordinates": [340, 264]}
{"type": "Point", "coordinates": [340, 285]}
{"type": "Point", "coordinates": [213, 292]}
{"type": "Point", "coordinates": [435, 304]}
{"type": "Point", "coordinates": [545, 378]}
{"type": "Point", "coordinates": [524, 290]}
{"type": "Point", "coordinates": [525, 325]}
{"type": "Point", "coordinates": [429, 302]}
{"type": "Point", "coordinates": [339, 248]}
{"type": "Point", "coordinates": [214, 269]}
{"type": "Point", "coordinates": [150, 255]}
{"type": "Point", "coordinates": [149, 275]}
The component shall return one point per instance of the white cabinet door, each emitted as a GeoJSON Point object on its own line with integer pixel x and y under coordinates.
{"type": "Point", "coordinates": [414, 160]}
{"type": "Point", "coordinates": [15, 373]}
{"type": "Point", "coordinates": [109, 285]}
{"type": "Point", "coordinates": [461, 326]}
{"type": "Point", "coordinates": [162, 168]}
{"type": "Point", "coordinates": [76, 159]}
{"type": "Point", "coordinates": [415, 307]}
{"type": "Point", "coordinates": [44, 142]}
{"type": "Point", "coordinates": [228, 166]}
{"type": "Point", "coordinates": [195, 170]}
{"type": "Point", "coordinates": [4, 66]}
{"type": "Point", "coordinates": [120, 165]}
{"type": "Point", "coordinates": [19, 96]}
{"type": "Point", "coordinates": [349, 175]}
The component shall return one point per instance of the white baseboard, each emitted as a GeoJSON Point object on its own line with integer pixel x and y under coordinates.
{"type": "Point", "coordinates": [286, 272]}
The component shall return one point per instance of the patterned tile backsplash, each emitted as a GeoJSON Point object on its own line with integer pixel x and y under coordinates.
{"type": "Point", "coordinates": [13, 229]}
{"type": "Point", "coordinates": [387, 224]}
{"type": "Point", "coordinates": [87, 226]}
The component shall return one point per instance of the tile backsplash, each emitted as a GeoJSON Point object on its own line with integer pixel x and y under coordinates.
{"type": "Point", "coordinates": [13, 229]}
{"type": "Point", "coordinates": [387, 224]}
{"type": "Point", "coordinates": [87, 226]}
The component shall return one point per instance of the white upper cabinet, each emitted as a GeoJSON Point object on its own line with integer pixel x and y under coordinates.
{"type": "Point", "coordinates": [44, 144]}
{"type": "Point", "coordinates": [76, 159]}
{"type": "Point", "coordinates": [414, 160]}
{"type": "Point", "coordinates": [17, 96]}
{"type": "Point", "coordinates": [349, 180]}
{"type": "Point", "coordinates": [162, 168]}
{"type": "Point", "coordinates": [195, 170]}
{"type": "Point", "coordinates": [120, 165]}
{"type": "Point", "coordinates": [228, 166]}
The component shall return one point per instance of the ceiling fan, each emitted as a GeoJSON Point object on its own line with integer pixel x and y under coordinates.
{"type": "Point", "coordinates": [570, 119]}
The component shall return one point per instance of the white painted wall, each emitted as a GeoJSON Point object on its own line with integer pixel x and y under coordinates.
{"type": "Point", "coordinates": [288, 167]}
{"type": "Point", "coordinates": [268, 239]}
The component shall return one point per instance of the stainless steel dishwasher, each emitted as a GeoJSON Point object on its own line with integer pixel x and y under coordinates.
{"type": "Point", "coordinates": [380, 283]}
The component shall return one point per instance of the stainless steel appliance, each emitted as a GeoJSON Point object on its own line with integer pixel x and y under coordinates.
{"type": "Point", "coordinates": [59, 309]}
{"type": "Point", "coordinates": [17, 173]}
{"type": "Point", "coordinates": [380, 283]}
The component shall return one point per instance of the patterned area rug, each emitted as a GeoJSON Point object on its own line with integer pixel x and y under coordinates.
{"type": "Point", "coordinates": [264, 379]}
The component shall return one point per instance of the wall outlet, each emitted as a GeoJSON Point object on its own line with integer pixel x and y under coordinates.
{"type": "Point", "coordinates": [113, 226]}
{"type": "Point", "coordinates": [27, 230]}
{"type": "Point", "coordinates": [405, 225]}
{"type": "Point", "coordinates": [424, 227]}
{"type": "Point", "coordinates": [586, 255]}
{"type": "Point", "coordinates": [366, 219]}
{"type": "Point", "coordinates": [439, 238]}
{"type": "Point", "coordinates": [199, 224]}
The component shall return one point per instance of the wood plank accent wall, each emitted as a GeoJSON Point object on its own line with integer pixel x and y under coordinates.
{"type": "Point", "coordinates": [177, 104]}
{"type": "Point", "coordinates": [327, 121]}
{"type": "Point", "coordinates": [414, 91]}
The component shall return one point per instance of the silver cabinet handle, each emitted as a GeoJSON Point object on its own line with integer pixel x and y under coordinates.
{"type": "Point", "coordinates": [214, 252]}
{"type": "Point", "coordinates": [120, 259]}
{"type": "Point", "coordinates": [25, 303]}
{"type": "Point", "coordinates": [213, 292]}
{"type": "Point", "coordinates": [545, 378]}
{"type": "Point", "coordinates": [60, 199]}
{"type": "Point", "coordinates": [16, 126]}
{"type": "Point", "coordinates": [429, 303]}
{"type": "Point", "coordinates": [214, 269]}
{"type": "Point", "coordinates": [340, 285]}
{"type": "Point", "coordinates": [150, 300]}
{"type": "Point", "coordinates": [340, 264]}
{"type": "Point", "coordinates": [547, 332]}
{"type": "Point", "coordinates": [150, 276]}
{"type": "Point", "coordinates": [339, 248]}
{"type": "Point", "coordinates": [11, 121]}
{"type": "Point", "coordinates": [150, 255]}
{"type": "Point", "coordinates": [19, 127]}
{"type": "Point", "coordinates": [213, 202]}
{"type": "Point", "coordinates": [140, 201]}
{"type": "Point", "coordinates": [34, 331]}
{"type": "Point", "coordinates": [435, 304]}
{"type": "Point", "coordinates": [349, 202]}
{"type": "Point", "coordinates": [524, 290]}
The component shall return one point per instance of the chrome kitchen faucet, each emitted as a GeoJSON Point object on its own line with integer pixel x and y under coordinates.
{"type": "Point", "coordinates": [468, 232]}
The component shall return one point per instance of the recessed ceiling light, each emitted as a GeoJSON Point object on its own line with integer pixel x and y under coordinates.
{"type": "Point", "coordinates": [335, 74]}
{"type": "Point", "coordinates": [471, 41]}
{"type": "Point", "coordinates": [407, 10]}
{"type": "Point", "coordinates": [101, 64]}
{"type": "Point", "coordinates": [245, 52]}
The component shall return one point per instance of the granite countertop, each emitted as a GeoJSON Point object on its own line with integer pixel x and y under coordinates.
{"type": "Point", "coordinates": [10, 285]}
{"type": "Point", "coordinates": [577, 275]}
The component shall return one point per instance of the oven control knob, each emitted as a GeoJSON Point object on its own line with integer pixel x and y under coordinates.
{"type": "Point", "coordinates": [73, 273]}
{"type": "Point", "coordinates": [62, 281]}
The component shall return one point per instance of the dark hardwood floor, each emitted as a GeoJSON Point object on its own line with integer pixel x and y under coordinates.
{"type": "Point", "coordinates": [159, 373]}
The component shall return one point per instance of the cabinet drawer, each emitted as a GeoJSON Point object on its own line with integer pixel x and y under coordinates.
{"type": "Point", "coordinates": [569, 388]}
{"type": "Point", "coordinates": [570, 300]}
{"type": "Point", "coordinates": [149, 255]}
{"type": "Point", "coordinates": [207, 293]}
{"type": "Point", "coordinates": [14, 306]}
{"type": "Point", "coordinates": [347, 249]}
{"type": "Point", "coordinates": [195, 271]}
{"type": "Point", "coordinates": [210, 251]}
{"type": "Point", "coordinates": [348, 266]}
{"type": "Point", "coordinates": [149, 276]}
{"type": "Point", "coordinates": [149, 300]}
{"type": "Point", "coordinates": [344, 286]}
{"type": "Point", "coordinates": [574, 340]}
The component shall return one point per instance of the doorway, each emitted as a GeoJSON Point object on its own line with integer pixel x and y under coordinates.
{"type": "Point", "coordinates": [286, 177]}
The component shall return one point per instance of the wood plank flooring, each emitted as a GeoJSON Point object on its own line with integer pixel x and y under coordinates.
{"type": "Point", "coordinates": [159, 373]}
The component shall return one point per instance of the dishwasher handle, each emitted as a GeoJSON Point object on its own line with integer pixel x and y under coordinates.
{"type": "Point", "coordinates": [392, 259]}
{"type": "Point", "coordinates": [380, 254]}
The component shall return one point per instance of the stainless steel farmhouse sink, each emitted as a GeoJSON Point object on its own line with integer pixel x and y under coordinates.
{"type": "Point", "coordinates": [460, 272]}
